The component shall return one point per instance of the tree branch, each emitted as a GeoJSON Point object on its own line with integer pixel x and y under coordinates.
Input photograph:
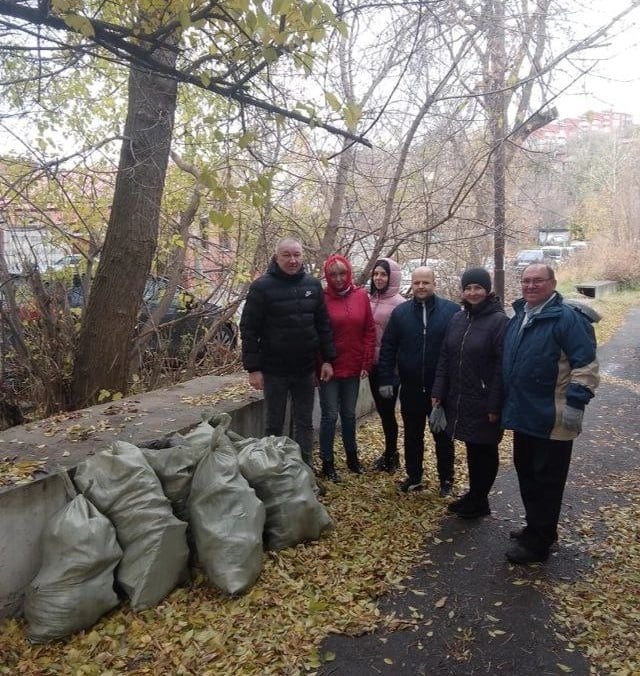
{"type": "Point", "coordinates": [110, 38]}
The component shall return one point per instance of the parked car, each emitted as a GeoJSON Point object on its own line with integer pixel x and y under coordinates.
{"type": "Point", "coordinates": [69, 261]}
{"type": "Point", "coordinates": [184, 322]}
{"type": "Point", "coordinates": [554, 254]}
{"type": "Point", "coordinates": [527, 257]}
{"type": "Point", "coordinates": [186, 319]}
{"type": "Point", "coordinates": [579, 245]}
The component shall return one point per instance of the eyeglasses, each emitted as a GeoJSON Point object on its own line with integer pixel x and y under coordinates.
{"type": "Point", "coordinates": [538, 281]}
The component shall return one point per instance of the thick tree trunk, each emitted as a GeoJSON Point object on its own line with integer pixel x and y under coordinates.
{"type": "Point", "coordinates": [102, 361]}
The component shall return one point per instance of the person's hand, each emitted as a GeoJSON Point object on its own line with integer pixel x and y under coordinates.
{"type": "Point", "coordinates": [326, 372]}
{"type": "Point", "coordinates": [435, 402]}
{"type": "Point", "coordinates": [437, 420]}
{"type": "Point", "coordinates": [386, 391]}
{"type": "Point", "coordinates": [364, 374]}
{"type": "Point", "coordinates": [256, 380]}
{"type": "Point", "coordinates": [493, 417]}
{"type": "Point", "coordinates": [572, 418]}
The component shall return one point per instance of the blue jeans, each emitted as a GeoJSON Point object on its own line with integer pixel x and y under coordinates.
{"type": "Point", "coordinates": [301, 390]}
{"type": "Point", "coordinates": [339, 395]}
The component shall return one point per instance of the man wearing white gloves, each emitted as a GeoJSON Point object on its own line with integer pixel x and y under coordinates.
{"type": "Point", "coordinates": [550, 373]}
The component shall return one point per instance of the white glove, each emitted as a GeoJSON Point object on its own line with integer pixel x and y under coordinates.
{"type": "Point", "coordinates": [572, 418]}
{"type": "Point", "coordinates": [386, 391]}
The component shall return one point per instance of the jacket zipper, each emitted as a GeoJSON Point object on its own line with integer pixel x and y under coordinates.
{"type": "Point", "coordinates": [464, 339]}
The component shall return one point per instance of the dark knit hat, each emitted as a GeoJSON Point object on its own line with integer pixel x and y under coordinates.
{"type": "Point", "coordinates": [476, 276]}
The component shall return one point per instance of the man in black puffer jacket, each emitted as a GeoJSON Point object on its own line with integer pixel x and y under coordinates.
{"type": "Point", "coordinates": [411, 344]}
{"type": "Point", "coordinates": [284, 327]}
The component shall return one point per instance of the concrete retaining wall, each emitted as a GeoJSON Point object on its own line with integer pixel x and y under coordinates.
{"type": "Point", "coordinates": [25, 509]}
{"type": "Point", "coordinates": [597, 288]}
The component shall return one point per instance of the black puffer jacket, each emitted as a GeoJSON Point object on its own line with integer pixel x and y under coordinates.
{"type": "Point", "coordinates": [284, 324]}
{"type": "Point", "coordinates": [469, 372]}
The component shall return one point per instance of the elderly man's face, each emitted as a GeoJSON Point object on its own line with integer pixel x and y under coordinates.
{"type": "Point", "coordinates": [289, 257]}
{"type": "Point", "coordinates": [537, 286]}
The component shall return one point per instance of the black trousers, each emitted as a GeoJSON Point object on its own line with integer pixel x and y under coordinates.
{"type": "Point", "coordinates": [542, 466]}
{"type": "Point", "coordinates": [415, 411]}
{"type": "Point", "coordinates": [482, 462]}
{"type": "Point", "coordinates": [301, 390]}
{"type": "Point", "coordinates": [387, 411]}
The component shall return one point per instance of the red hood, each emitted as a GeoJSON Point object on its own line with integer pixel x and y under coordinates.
{"type": "Point", "coordinates": [337, 258]}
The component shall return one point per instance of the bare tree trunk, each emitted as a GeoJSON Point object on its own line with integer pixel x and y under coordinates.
{"type": "Point", "coordinates": [102, 362]}
{"type": "Point", "coordinates": [345, 163]}
{"type": "Point", "coordinates": [497, 122]}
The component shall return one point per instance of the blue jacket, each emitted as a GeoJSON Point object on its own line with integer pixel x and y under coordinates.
{"type": "Point", "coordinates": [412, 349]}
{"type": "Point", "coordinates": [548, 364]}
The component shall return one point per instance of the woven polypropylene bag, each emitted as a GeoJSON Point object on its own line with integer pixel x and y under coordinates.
{"type": "Point", "coordinates": [227, 519]}
{"type": "Point", "coordinates": [74, 585]}
{"type": "Point", "coordinates": [274, 468]}
{"type": "Point", "coordinates": [122, 485]}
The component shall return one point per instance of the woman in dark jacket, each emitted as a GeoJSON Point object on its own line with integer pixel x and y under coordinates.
{"type": "Point", "coordinates": [468, 385]}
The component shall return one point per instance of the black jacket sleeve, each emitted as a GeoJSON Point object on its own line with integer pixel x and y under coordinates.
{"type": "Point", "coordinates": [252, 322]}
{"type": "Point", "coordinates": [387, 360]}
{"type": "Point", "coordinates": [325, 334]}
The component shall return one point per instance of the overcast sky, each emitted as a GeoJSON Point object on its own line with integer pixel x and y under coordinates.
{"type": "Point", "coordinates": [615, 82]}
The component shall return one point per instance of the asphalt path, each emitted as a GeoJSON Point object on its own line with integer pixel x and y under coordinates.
{"type": "Point", "coordinates": [467, 610]}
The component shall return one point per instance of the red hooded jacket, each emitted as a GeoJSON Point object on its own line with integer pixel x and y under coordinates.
{"type": "Point", "coordinates": [354, 331]}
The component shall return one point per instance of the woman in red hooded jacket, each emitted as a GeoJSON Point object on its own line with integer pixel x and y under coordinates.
{"type": "Point", "coordinates": [354, 335]}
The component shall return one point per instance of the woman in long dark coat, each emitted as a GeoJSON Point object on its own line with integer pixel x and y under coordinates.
{"type": "Point", "coordinates": [468, 385]}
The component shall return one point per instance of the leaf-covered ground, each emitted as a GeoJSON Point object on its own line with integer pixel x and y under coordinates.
{"type": "Point", "coordinates": [600, 613]}
{"type": "Point", "coordinates": [302, 595]}
{"type": "Point", "coordinates": [308, 592]}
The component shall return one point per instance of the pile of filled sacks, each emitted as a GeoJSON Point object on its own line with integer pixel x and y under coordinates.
{"type": "Point", "coordinates": [136, 513]}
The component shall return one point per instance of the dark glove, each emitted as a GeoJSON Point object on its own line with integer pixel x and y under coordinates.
{"type": "Point", "coordinates": [572, 418]}
{"type": "Point", "coordinates": [437, 419]}
{"type": "Point", "coordinates": [386, 391]}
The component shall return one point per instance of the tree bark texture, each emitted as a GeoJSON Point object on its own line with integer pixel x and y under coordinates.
{"type": "Point", "coordinates": [102, 361]}
{"type": "Point", "coordinates": [497, 124]}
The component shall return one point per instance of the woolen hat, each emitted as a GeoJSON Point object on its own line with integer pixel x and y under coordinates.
{"type": "Point", "coordinates": [476, 276]}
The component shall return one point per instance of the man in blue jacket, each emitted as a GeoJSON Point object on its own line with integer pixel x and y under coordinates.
{"type": "Point", "coordinates": [550, 373]}
{"type": "Point", "coordinates": [411, 346]}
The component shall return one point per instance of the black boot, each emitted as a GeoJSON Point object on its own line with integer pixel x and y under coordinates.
{"type": "Point", "coordinates": [380, 465]}
{"type": "Point", "coordinates": [329, 471]}
{"type": "Point", "coordinates": [353, 463]}
{"type": "Point", "coordinates": [393, 462]}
